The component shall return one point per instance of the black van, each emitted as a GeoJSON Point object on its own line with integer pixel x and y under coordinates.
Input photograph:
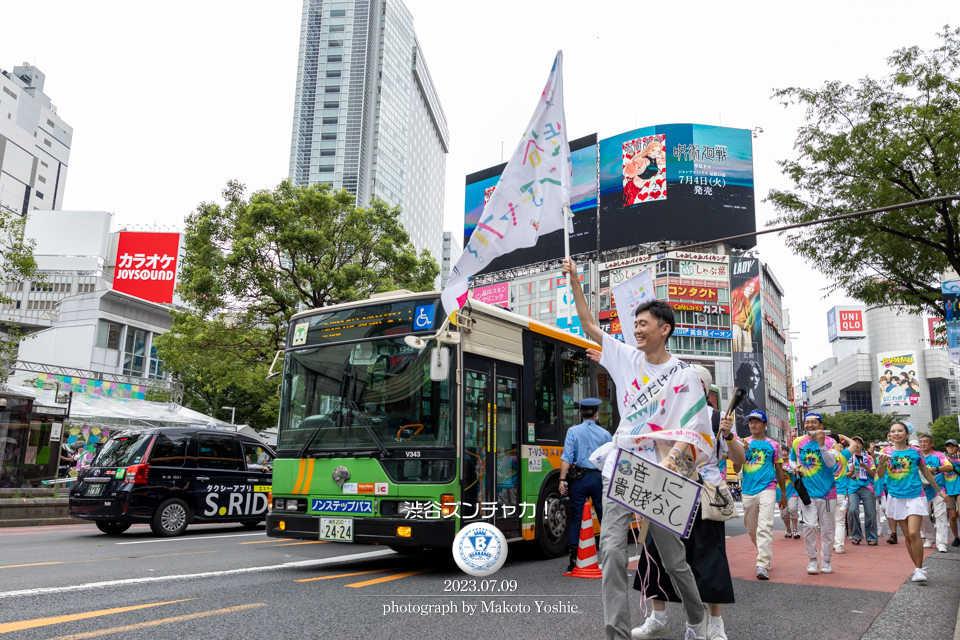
{"type": "Point", "coordinates": [171, 476]}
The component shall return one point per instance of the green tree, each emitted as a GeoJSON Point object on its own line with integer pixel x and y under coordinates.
{"type": "Point", "coordinates": [943, 429]}
{"type": "Point", "coordinates": [16, 265]}
{"type": "Point", "coordinates": [872, 427]}
{"type": "Point", "coordinates": [251, 264]}
{"type": "Point", "coordinates": [882, 142]}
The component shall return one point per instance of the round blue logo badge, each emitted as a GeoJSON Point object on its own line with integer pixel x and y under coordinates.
{"type": "Point", "coordinates": [480, 549]}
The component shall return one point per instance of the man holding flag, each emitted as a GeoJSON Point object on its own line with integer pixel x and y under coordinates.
{"type": "Point", "coordinates": [664, 416]}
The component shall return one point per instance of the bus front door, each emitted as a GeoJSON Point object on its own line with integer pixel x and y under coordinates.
{"type": "Point", "coordinates": [490, 474]}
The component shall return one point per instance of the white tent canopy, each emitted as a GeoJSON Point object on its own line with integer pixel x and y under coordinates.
{"type": "Point", "coordinates": [124, 411]}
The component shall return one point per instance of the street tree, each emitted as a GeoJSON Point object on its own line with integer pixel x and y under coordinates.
{"type": "Point", "coordinates": [881, 142]}
{"type": "Point", "coordinates": [16, 266]}
{"type": "Point", "coordinates": [252, 263]}
{"type": "Point", "coordinates": [872, 427]}
{"type": "Point", "coordinates": [944, 428]}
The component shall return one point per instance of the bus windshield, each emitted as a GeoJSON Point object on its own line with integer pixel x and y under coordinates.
{"type": "Point", "coordinates": [329, 392]}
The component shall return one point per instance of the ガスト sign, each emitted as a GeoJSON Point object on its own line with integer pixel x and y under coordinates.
{"type": "Point", "coordinates": [147, 265]}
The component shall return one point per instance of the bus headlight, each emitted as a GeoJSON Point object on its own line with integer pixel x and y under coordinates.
{"type": "Point", "coordinates": [278, 503]}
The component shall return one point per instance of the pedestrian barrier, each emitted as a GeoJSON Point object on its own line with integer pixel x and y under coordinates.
{"type": "Point", "coordinates": [587, 564]}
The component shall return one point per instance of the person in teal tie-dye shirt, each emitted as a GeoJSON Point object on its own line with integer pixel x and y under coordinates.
{"type": "Point", "coordinates": [906, 502]}
{"type": "Point", "coordinates": [937, 463]}
{"type": "Point", "coordinates": [951, 480]}
{"type": "Point", "coordinates": [788, 500]}
{"type": "Point", "coordinates": [861, 470]}
{"type": "Point", "coordinates": [813, 461]}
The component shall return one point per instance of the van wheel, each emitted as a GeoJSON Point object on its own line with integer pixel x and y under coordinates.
{"type": "Point", "coordinates": [552, 526]}
{"type": "Point", "coordinates": [170, 518]}
{"type": "Point", "coordinates": [252, 525]}
{"type": "Point", "coordinates": [112, 528]}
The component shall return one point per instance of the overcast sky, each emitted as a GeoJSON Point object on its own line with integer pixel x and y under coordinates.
{"type": "Point", "coordinates": [170, 100]}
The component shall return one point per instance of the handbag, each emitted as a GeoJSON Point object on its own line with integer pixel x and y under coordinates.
{"type": "Point", "coordinates": [716, 501]}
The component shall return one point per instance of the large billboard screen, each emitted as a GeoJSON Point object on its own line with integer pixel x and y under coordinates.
{"type": "Point", "coordinates": [676, 182]}
{"type": "Point", "coordinates": [583, 204]}
{"type": "Point", "coordinates": [747, 317]}
{"type": "Point", "coordinates": [147, 265]}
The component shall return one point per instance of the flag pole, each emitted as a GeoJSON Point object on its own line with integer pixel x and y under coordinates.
{"type": "Point", "coordinates": [567, 216]}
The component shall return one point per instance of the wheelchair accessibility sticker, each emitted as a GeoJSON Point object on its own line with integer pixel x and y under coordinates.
{"type": "Point", "coordinates": [423, 317]}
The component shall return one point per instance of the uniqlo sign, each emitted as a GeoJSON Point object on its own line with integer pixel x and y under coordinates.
{"type": "Point", "coordinates": [147, 265]}
{"type": "Point", "coordinates": [845, 322]}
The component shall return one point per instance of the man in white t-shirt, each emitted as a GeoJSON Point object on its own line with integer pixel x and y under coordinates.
{"type": "Point", "coordinates": [631, 369]}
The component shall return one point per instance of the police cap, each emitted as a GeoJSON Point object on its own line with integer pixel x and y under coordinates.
{"type": "Point", "coordinates": [590, 402]}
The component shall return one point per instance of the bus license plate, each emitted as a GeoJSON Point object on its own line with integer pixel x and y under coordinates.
{"type": "Point", "coordinates": [339, 529]}
{"type": "Point", "coordinates": [94, 490]}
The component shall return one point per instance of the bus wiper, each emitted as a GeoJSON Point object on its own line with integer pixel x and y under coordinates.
{"type": "Point", "coordinates": [384, 452]}
{"type": "Point", "coordinates": [316, 432]}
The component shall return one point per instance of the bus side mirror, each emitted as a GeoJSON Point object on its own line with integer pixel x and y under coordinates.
{"type": "Point", "coordinates": [439, 364]}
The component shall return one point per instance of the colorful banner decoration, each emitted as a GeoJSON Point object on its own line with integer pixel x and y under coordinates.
{"type": "Point", "coordinates": [94, 387]}
{"type": "Point", "coordinates": [498, 294]}
{"type": "Point", "coordinates": [530, 196]}
{"type": "Point", "coordinates": [746, 314]}
{"type": "Point", "coordinates": [951, 303]}
{"type": "Point", "coordinates": [899, 386]}
{"type": "Point", "coordinates": [567, 318]}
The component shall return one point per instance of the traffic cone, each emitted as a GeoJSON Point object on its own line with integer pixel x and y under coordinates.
{"type": "Point", "coordinates": [587, 564]}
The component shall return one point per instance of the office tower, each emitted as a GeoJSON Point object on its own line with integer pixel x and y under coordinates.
{"type": "Point", "coordinates": [366, 116]}
{"type": "Point", "coordinates": [34, 144]}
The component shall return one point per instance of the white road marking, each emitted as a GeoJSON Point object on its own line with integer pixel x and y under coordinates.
{"type": "Point", "coordinates": [189, 576]}
{"type": "Point", "coordinates": [188, 538]}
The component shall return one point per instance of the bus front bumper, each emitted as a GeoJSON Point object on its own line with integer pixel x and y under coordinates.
{"type": "Point", "coordinates": [423, 533]}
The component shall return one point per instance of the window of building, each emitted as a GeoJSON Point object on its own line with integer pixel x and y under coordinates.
{"type": "Point", "coordinates": [108, 335]}
{"type": "Point", "coordinates": [326, 153]}
{"type": "Point", "coordinates": [42, 179]}
{"type": "Point", "coordinates": [545, 391]}
{"type": "Point", "coordinates": [44, 164]}
{"type": "Point", "coordinates": [333, 44]}
{"type": "Point", "coordinates": [156, 365]}
{"type": "Point", "coordinates": [330, 120]}
{"type": "Point", "coordinates": [331, 105]}
{"type": "Point", "coordinates": [821, 389]}
{"type": "Point", "coordinates": [135, 351]}
{"type": "Point", "coordinates": [334, 58]}
{"type": "Point", "coordinates": [331, 89]}
{"type": "Point", "coordinates": [328, 136]}
{"type": "Point", "coordinates": [546, 285]}
{"type": "Point", "coordinates": [336, 28]}
{"type": "Point", "coordinates": [338, 13]}
{"type": "Point", "coordinates": [546, 307]}
{"type": "Point", "coordinates": [47, 142]}
{"type": "Point", "coordinates": [857, 400]}
{"type": "Point", "coordinates": [325, 169]}
{"type": "Point", "coordinates": [333, 73]}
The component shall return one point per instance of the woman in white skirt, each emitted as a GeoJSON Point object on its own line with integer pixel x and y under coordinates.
{"type": "Point", "coordinates": [906, 502]}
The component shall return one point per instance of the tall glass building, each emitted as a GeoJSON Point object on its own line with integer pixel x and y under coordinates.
{"type": "Point", "coordinates": [367, 117]}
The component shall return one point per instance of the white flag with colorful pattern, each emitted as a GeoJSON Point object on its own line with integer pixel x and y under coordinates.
{"type": "Point", "coordinates": [528, 200]}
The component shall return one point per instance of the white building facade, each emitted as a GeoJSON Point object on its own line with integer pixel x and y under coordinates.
{"type": "Point", "coordinates": [366, 114]}
{"type": "Point", "coordinates": [451, 253]}
{"type": "Point", "coordinates": [34, 144]}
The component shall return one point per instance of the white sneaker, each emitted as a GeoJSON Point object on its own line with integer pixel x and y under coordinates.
{"type": "Point", "coordinates": [715, 631]}
{"type": "Point", "coordinates": [928, 544]}
{"type": "Point", "coordinates": [813, 566]}
{"type": "Point", "coordinates": [919, 575]}
{"type": "Point", "coordinates": [838, 550]}
{"type": "Point", "coordinates": [698, 632]}
{"type": "Point", "coordinates": [942, 548]}
{"type": "Point", "coordinates": [825, 567]}
{"type": "Point", "coordinates": [651, 628]}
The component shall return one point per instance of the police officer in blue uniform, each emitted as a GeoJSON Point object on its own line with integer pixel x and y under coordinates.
{"type": "Point", "coordinates": [579, 478]}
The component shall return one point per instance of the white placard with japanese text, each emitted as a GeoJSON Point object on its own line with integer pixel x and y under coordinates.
{"type": "Point", "coordinates": [666, 498]}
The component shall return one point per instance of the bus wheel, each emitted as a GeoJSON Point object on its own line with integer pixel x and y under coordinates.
{"type": "Point", "coordinates": [552, 531]}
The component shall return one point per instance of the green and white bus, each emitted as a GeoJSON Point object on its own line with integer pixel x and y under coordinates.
{"type": "Point", "coordinates": [399, 428]}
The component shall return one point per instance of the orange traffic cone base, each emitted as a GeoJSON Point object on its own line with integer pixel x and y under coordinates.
{"type": "Point", "coordinates": [587, 564]}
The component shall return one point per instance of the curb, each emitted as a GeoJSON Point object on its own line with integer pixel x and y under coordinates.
{"type": "Point", "coordinates": [956, 630]}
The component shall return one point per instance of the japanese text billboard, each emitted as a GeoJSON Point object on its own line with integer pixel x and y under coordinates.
{"type": "Point", "coordinates": [498, 294]}
{"type": "Point", "coordinates": [676, 182]}
{"type": "Point", "coordinates": [899, 386]}
{"type": "Point", "coordinates": [583, 204]}
{"type": "Point", "coordinates": [746, 319]}
{"type": "Point", "coordinates": [147, 265]}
